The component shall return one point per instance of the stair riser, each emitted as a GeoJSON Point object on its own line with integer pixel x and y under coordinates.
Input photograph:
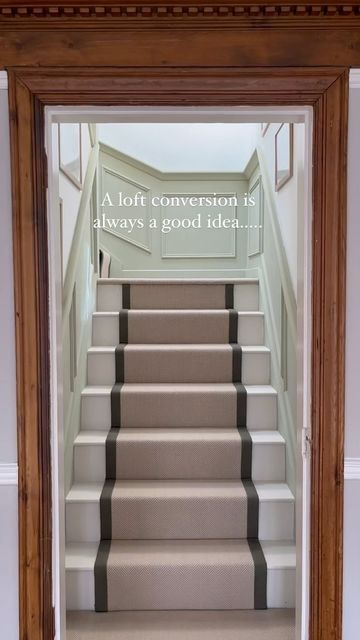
{"type": "Point", "coordinates": [105, 332]}
{"type": "Point", "coordinates": [197, 519]}
{"type": "Point", "coordinates": [211, 587]}
{"type": "Point", "coordinates": [149, 410]}
{"type": "Point", "coordinates": [177, 296]}
{"type": "Point", "coordinates": [172, 366]}
{"type": "Point", "coordinates": [268, 462]}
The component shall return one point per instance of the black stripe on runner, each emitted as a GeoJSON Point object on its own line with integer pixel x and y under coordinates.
{"type": "Point", "coordinates": [236, 362]}
{"type": "Point", "coordinates": [233, 326]}
{"type": "Point", "coordinates": [115, 400]}
{"type": "Point", "coordinates": [123, 326]}
{"type": "Point", "coordinates": [105, 510]}
{"type": "Point", "coordinates": [120, 363]}
{"type": "Point", "coordinates": [110, 454]}
{"type": "Point", "coordinates": [241, 405]}
{"type": "Point", "coordinates": [100, 575]}
{"type": "Point", "coordinates": [246, 453]}
{"type": "Point", "coordinates": [252, 509]}
{"type": "Point", "coordinates": [229, 296]}
{"type": "Point", "coordinates": [100, 568]}
{"type": "Point", "coordinates": [260, 567]}
{"type": "Point", "coordinates": [126, 296]}
{"type": "Point", "coordinates": [246, 442]}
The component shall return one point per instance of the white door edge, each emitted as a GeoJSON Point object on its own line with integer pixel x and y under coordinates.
{"type": "Point", "coordinates": [56, 410]}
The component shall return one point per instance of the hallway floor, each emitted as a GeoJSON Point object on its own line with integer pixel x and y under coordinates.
{"type": "Point", "coordinates": [275, 624]}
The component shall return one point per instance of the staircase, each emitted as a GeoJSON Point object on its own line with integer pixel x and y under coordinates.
{"type": "Point", "coordinates": [179, 498]}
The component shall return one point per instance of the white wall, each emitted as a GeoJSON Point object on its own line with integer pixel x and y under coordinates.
{"type": "Point", "coordinates": [184, 147]}
{"type": "Point", "coordinates": [351, 619]}
{"type": "Point", "coordinates": [8, 448]}
{"type": "Point", "coordinates": [292, 192]}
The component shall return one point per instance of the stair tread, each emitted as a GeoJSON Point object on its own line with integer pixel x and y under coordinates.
{"type": "Point", "coordinates": [278, 624]}
{"type": "Point", "coordinates": [178, 312]}
{"type": "Point", "coordinates": [278, 554]}
{"type": "Point", "coordinates": [179, 281]}
{"type": "Point", "coordinates": [176, 434]}
{"type": "Point", "coordinates": [179, 347]}
{"type": "Point", "coordinates": [213, 387]}
{"type": "Point", "coordinates": [155, 489]}
{"type": "Point", "coordinates": [115, 314]}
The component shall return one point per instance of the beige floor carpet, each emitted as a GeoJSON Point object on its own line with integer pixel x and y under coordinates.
{"type": "Point", "coordinates": [275, 624]}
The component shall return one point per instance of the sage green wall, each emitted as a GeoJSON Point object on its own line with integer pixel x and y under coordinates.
{"type": "Point", "coordinates": [148, 252]}
{"type": "Point", "coordinates": [78, 305]}
{"type": "Point", "coordinates": [277, 300]}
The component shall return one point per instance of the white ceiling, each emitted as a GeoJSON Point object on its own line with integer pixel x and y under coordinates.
{"type": "Point", "coordinates": [184, 146]}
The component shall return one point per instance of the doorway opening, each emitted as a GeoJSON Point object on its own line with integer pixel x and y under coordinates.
{"type": "Point", "coordinates": [180, 270]}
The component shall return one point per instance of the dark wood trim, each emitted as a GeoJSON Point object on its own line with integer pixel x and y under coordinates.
{"type": "Point", "coordinates": [328, 360]}
{"type": "Point", "coordinates": [71, 44]}
{"type": "Point", "coordinates": [182, 11]}
{"type": "Point", "coordinates": [32, 354]}
{"type": "Point", "coordinates": [323, 88]}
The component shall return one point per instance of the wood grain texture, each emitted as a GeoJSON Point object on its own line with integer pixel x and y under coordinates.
{"type": "Point", "coordinates": [323, 88]}
{"type": "Point", "coordinates": [328, 361]}
{"type": "Point", "coordinates": [170, 45]}
{"type": "Point", "coordinates": [32, 352]}
{"type": "Point", "coordinates": [183, 9]}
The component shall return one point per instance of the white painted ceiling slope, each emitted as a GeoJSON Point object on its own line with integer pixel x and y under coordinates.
{"type": "Point", "coordinates": [191, 147]}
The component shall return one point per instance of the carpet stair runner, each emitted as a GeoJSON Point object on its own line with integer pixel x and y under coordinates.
{"type": "Point", "coordinates": [179, 498]}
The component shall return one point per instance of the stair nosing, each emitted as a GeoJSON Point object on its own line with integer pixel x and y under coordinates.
{"type": "Point", "coordinates": [178, 281]}
{"type": "Point", "coordinates": [115, 314]}
{"type": "Point", "coordinates": [266, 436]}
{"type": "Point", "coordinates": [166, 484]}
{"type": "Point", "coordinates": [272, 551]}
{"type": "Point", "coordinates": [181, 346]}
{"type": "Point", "coordinates": [254, 389]}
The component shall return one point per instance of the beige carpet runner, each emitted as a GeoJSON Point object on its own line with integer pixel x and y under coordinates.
{"type": "Point", "coordinates": [272, 624]}
{"type": "Point", "coordinates": [179, 376]}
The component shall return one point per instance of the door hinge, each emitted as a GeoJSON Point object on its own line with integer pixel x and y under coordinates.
{"type": "Point", "coordinates": [306, 443]}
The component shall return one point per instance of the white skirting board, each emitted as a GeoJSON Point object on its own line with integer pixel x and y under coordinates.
{"type": "Point", "coordinates": [354, 79]}
{"type": "Point", "coordinates": [3, 80]}
{"type": "Point", "coordinates": [352, 469]}
{"type": "Point", "coordinates": [8, 474]}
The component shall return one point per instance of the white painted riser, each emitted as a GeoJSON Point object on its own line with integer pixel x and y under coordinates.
{"type": "Point", "coordinates": [109, 296]}
{"type": "Point", "coordinates": [105, 329]}
{"type": "Point", "coordinates": [261, 409]}
{"type": "Point", "coordinates": [142, 513]}
{"type": "Point", "coordinates": [101, 366]}
{"type": "Point", "coordinates": [80, 560]}
{"type": "Point", "coordinates": [268, 456]}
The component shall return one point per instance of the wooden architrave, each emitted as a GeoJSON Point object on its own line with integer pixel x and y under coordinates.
{"type": "Point", "coordinates": [326, 90]}
{"type": "Point", "coordinates": [181, 33]}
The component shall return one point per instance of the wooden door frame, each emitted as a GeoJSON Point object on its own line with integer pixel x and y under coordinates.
{"type": "Point", "coordinates": [326, 90]}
